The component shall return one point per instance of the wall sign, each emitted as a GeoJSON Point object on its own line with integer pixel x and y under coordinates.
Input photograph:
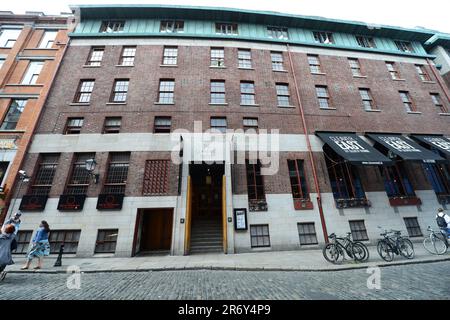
{"type": "Point", "coordinates": [240, 219]}
{"type": "Point", "coordinates": [110, 201]}
{"type": "Point", "coordinates": [71, 202]}
{"type": "Point", "coordinates": [33, 203]}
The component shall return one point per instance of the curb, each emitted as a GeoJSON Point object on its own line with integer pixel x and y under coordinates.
{"type": "Point", "coordinates": [158, 269]}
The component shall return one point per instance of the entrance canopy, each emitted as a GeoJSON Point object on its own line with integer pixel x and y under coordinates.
{"type": "Point", "coordinates": [439, 142]}
{"type": "Point", "coordinates": [405, 148]}
{"type": "Point", "coordinates": [353, 149]}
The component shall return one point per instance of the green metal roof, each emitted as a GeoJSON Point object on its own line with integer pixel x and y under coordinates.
{"type": "Point", "coordinates": [124, 11]}
{"type": "Point", "coordinates": [439, 39]}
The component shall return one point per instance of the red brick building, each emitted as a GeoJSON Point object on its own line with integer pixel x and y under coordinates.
{"type": "Point", "coordinates": [363, 127]}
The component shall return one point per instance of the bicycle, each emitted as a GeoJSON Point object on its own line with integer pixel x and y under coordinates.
{"type": "Point", "coordinates": [436, 242]}
{"type": "Point", "coordinates": [335, 250]}
{"type": "Point", "coordinates": [393, 243]}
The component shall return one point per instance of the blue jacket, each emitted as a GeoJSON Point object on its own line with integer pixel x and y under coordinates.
{"type": "Point", "coordinates": [5, 249]}
{"type": "Point", "coordinates": [41, 235]}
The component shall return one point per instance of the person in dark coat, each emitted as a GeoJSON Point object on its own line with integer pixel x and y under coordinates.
{"type": "Point", "coordinates": [6, 237]}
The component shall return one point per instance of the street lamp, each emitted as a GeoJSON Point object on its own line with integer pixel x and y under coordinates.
{"type": "Point", "coordinates": [90, 167]}
{"type": "Point", "coordinates": [23, 178]}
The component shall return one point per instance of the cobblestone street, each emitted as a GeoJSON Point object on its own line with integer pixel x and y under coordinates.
{"type": "Point", "coordinates": [414, 281]}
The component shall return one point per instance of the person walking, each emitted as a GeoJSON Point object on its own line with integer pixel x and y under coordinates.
{"type": "Point", "coordinates": [15, 221]}
{"type": "Point", "coordinates": [40, 246]}
{"type": "Point", "coordinates": [6, 237]}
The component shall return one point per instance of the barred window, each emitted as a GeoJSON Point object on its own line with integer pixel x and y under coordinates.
{"type": "Point", "coordinates": [298, 179]}
{"type": "Point", "coordinates": [245, 58]}
{"type": "Point", "coordinates": [112, 125]}
{"type": "Point", "coordinates": [355, 66]}
{"type": "Point", "coordinates": [79, 178]}
{"type": "Point", "coordinates": [423, 74]}
{"type": "Point", "coordinates": [111, 26]}
{"type": "Point", "coordinates": [12, 117]}
{"type": "Point", "coordinates": [84, 91]}
{"type": "Point", "coordinates": [170, 56]}
{"type": "Point", "coordinates": [116, 177]}
{"type": "Point", "coordinates": [95, 56]}
{"type": "Point", "coordinates": [217, 57]}
{"type": "Point", "coordinates": [74, 125]}
{"type": "Point", "coordinates": [23, 241]}
{"type": "Point", "coordinates": [247, 93]}
{"type": "Point", "coordinates": [277, 33]}
{"type": "Point", "coordinates": [219, 123]}
{"type": "Point", "coordinates": [166, 91]}
{"type": "Point", "coordinates": [358, 229]}
{"type": "Point", "coordinates": [307, 233]}
{"type": "Point", "coordinates": [277, 61]}
{"type": "Point", "coordinates": [283, 96]}
{"type": "Point", "coordinates": [314, 63]}
{"type": "Point", "coordinates": [156, 177]}
{"type": "Point", "coordinates": [392, 70]}
{"type": "Point", "coordinates": [323, 97]}
{"type": "Point", "coordinates": [171, 26]}
{"type": "Point", "coordinates": [127, 56]}
{"type": "Point", "coordinates": [217, 91]}
{"type": "Point", "coordinates": [413, 227]}
{"type": "Point", "coordinates": [437, 101]}
{"type": "Point", "coordinates": [32, 73]}
{"type": "Point", "coordinates": [106, 241]}
{"type": "Point", "coordinates": [407, 101]}
{"type": "Point", "coordinates": [259, 235]}
{"type": "Point", "coordinates": [227, 28]}
{"type": "Point", "coordinates": [43, 179]}
{"type": "Point", "coordinates": [68, 238]}
{"type": "Point", "coordinates": [323, 37]}
{"type": "Point", "coordinates": [367, 99]}
{"type": "Point", "coordinates": [48, 39]}
{"type": "Point", "coordinates": [365, 42]}
{"type": "Point", "coordinates": [255, 181]}
{"type": "Point", "coordinates": [120, 90]}
{"type": "Point", "coordinates": [162, 125]}
{"type": "Point", "coordinates": [404, 46]}
{"type": "Point", "coordinates": [250, 123]}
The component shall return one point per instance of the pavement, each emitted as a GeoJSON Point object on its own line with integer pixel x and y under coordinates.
{"type": "Point", "coordinates": [299, 260]}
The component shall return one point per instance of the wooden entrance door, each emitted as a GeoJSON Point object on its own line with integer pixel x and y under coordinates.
{"type": "Point", "coordinates": [156, 229]}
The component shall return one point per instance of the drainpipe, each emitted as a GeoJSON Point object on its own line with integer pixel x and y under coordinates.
{"type": "Point", "coordinates": [308, 145]}
{"type": "Point", "coordinates": [439, 80]}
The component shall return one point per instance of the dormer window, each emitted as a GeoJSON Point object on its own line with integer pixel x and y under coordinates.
{"type": "Point", "coordinates": [227, 28]}
{"type": "Point", "coordinates": [172, 26]}
{"type": "Point", "coordinates": [112, 26]}
{"type": "Point", "coordinates": [277, 33]}
{"type": "Point", "coordinates": [404, 46]}
{"type": "Point", "coordinates": [323, 37]}
{"type": "Point", "coordinates": [365, 42]}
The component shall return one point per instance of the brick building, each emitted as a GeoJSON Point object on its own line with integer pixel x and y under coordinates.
{"type": "Point", "coordinates": [31, 48]}
{"type": "Point", "coordinates": [439, 46]}
{"type": "Point", "coordinates": [361, 114]}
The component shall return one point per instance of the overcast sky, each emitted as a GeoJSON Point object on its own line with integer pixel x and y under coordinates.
{"type": "Point", "coordinates": [433, 14]}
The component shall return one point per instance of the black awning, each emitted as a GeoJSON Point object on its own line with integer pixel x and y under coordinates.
{"type": "Point", "coordinates": [405, 148]}
{"type": "Point", "coordinates": [353, 149]}
{"type": "Point", "coordinates": [441, 143]}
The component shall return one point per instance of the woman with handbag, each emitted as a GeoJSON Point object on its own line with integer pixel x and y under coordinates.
{"type": "Point", "coordinates": [40, 247]}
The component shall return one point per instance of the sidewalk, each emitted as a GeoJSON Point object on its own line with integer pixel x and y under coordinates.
{"type": "Point", "coordinates": [301, 260]}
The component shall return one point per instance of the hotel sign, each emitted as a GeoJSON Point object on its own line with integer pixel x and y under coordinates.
{"type": "Point", "coordinates": [71, 202]}
{"type": "Point", "coordinates": [110, 201]}
{"type": "Point", "coordinates": [8, 144]}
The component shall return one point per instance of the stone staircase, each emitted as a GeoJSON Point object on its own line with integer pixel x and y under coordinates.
{"type": "Point", "coordinates": [206, 235]}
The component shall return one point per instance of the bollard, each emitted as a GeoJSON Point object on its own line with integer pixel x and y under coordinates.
{"type": "Point", "coordinates": [58, 261]}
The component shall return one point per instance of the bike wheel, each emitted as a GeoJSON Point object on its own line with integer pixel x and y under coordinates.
{"type": "Point", "coordinates": [406, 248]}
{"type": "Point", "coordinates": [358, 252]}
{"type": "Point", "coordinates": [385, 251]}
{"type": "Point", "coordinates": [366, 250]}
{"type": "Point", "coordinates": [434, 245]}
{"type": "Point", "coordinates": [331, 253]}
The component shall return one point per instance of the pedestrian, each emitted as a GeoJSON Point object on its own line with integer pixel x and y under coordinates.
{"type": "Point", "coordinates": [15, 221]}
{"type": "Point", "coordinates": [6, 237]}
{"type": "Point", "coordinates": [443, 221]}
{"type": "Point", "coordinates": [40, 246]}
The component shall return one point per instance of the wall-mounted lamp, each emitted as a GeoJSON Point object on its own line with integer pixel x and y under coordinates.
{"type": "Point", "coordinates": [90, 167]}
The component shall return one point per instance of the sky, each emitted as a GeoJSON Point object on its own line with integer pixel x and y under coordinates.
{"type": "Point", "coordinates": [433, 14]}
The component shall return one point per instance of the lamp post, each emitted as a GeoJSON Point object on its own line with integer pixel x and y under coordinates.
{"type": "Point", "coordinates": [23, 178]}
{"type": "Point", "coordinates": [91, 164]}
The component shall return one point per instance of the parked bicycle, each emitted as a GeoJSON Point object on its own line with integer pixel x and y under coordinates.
{"type": "Point", "coordinates": [436, 242]}
{"type": "Point", "coordinates": [335, 250]}
{"type": "Point", "coordinates": [393, 243]}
